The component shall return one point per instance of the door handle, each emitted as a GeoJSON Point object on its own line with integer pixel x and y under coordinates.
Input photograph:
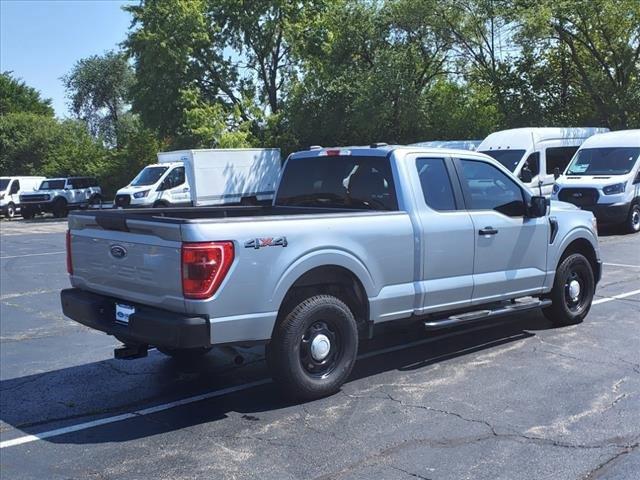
{"type": "Point", "coordinates": [487, 231]}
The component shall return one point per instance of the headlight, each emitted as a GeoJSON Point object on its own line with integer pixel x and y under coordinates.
{"type": "Point", "coordinates": [556, 188]}
{"type": "Point", "coordinates": [613, 189]}
{"type": "Point", "coordinates": [141, 194]}
{"type": "Point", "coordinates": [47, 197]}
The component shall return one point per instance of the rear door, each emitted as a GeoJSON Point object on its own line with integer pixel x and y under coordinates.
{"type": "Point", "coordinates": [446, 233]}
{"type": "Point", "coordinates": [130, 259]}
{"type": "Point", "coordinates": [510, 249]}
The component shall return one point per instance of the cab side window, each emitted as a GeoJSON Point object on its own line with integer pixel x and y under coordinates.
{"type": "Point", "coordinates": [174, 179]}
{"type": "Point", "coordinates": [436, 184]}
{"type": "Point", "coordinates": [559, 158]}
{"type": "Point", "coordinates": [15, 187]}
{"type": "Point", "coordinates": [487, 188]}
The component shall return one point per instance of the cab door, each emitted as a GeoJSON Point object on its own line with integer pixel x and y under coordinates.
{"type": "Point", "coordinates": [510, 248]}
{"type": "Point", "coordinates": [14, 191]}
{"type": "Point", "coordinates": [177, 188]}
{"type": "Point", "coordinates": [446, 236]}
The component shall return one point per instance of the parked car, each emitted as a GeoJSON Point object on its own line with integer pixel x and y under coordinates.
{"type": "Point", "coordinates": [10, 190]}
{"type": "Point", "coordinates": [533, 154]}
{"type": "Point", "coordinates": [60, 195]}
{"type": "Point", "coordinates": [204, 177]}
{"type": "Point", "coordinates": [442, 237]}
{"type": "Point", "coordinates": [604, 178]}
{"type": "Point", "coordinates": [456, 144]}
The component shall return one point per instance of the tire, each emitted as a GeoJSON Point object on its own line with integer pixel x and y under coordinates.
{"type": "Point", "coordinates": [60, 208]}
{"type": "Point", "coordinates": [186, 355]}
{"type": "Point", "coordinates": [27, 213]}
{"type": "Point", "coordinates": [10, 210]}
{"type": "Point", "coordinates": [313, 348]}
{"type": "Point", "coordinates": [95, 200]}
{"type": "Point", "coordinates": [570, 304]}
{"type": "Point", "coordinates": [632, 224]}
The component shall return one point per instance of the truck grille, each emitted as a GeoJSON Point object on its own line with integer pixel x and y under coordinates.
{"type": "Point", "coordinates": [582, 197]}
{"type": "Point", "coordinates": [122, 200]}
{"type": "Point", "coordinates": [34, 198]}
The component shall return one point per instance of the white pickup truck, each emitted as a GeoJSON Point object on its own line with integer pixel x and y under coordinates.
{"type": "Point", "coordinates": [355, 237]}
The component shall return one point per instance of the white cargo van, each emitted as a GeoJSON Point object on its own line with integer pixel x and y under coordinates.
{"type": "Point", "coordinates": [10, 190]}
{"type": "Point", "coordinates": [204, 177]}
{"type": "Point", "coordinates": [604, 177]}
{"type": "Point", "coordinates": [533, 154]}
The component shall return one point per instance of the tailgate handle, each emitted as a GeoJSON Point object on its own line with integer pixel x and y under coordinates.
{"type": "Point", "coordinates": [109, 222]}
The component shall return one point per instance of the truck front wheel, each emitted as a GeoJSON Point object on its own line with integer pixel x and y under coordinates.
{"type": "Point", "coordinates": [573, 290]}
{"type": "Point", "coordinates": [633, 220]}
{"type": "Point", "coordinates": [314, 348]}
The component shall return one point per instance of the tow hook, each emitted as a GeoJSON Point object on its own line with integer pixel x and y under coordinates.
{"type": "Point", "coordinates": [130, 352]}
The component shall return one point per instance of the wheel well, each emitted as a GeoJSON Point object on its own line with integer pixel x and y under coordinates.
{"type": "Point", "coordinates": [584, 247]}
{"type": "Point", "coordinates": [332, 280]}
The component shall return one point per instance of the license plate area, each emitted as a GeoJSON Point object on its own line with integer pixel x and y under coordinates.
{"type": "Point", "coordinates": [123, 312]}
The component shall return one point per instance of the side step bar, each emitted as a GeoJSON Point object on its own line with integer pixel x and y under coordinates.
{"type": "Point", "coordinates": [499, 310]}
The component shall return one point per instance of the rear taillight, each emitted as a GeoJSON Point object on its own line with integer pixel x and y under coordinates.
{"type": "Point", "coordinates": [204, 266]}
{"type": "Point", "coordinates": [69, 261]}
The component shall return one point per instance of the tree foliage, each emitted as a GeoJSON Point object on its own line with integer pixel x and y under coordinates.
{"type": "Point", "coordinates": [16, 96]}
{"type": "Point", "coordinates": [99, 91]}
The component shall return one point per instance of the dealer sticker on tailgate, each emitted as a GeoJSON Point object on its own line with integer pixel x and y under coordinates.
{"type": "Point", "coordinates": [123, 312]}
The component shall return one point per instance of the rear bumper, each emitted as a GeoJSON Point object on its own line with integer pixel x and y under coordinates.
{"type": "Point", "coordinates": [148, 326]}
{"type": "Point", "coordinates": [612, 213]}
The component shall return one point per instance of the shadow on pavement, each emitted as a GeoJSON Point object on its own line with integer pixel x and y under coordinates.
{"type": "Point", "coordinates": [59, 398]}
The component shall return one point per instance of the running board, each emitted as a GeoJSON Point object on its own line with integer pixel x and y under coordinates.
{"type": "Point", "coordinates": [501, 309]}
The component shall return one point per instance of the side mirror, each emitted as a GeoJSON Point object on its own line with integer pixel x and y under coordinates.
{"type": "Point", "coordinates": [537, 207]}
{"type": "Point", "coordinates": [526, 175]}
{"type": "Point", "coordinates": [556, 173]}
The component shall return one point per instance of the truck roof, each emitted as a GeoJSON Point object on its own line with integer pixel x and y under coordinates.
{"type": "Point", "coordinates": [620, 138]}
{"type": "Point", "coordinates": [522, 138]}
{"type": "Point", "coordinates": [382, 151]}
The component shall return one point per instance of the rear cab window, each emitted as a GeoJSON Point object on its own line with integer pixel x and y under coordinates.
{"type": "Point", "coordinates": [338, 181]}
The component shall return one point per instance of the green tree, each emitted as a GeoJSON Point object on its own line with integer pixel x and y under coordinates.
{"type": "Point", "coordinates": [16, 96]}
{"type": "Point", "coordinates": [99, 91]}
{"type": "Point", "coordinates": [601, 40]}
{"type": "Point", "coordinates": [32, 144]}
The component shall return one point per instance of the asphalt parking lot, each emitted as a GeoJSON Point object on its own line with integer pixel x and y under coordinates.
{"type": "Point", "coordinates": [518, 399]}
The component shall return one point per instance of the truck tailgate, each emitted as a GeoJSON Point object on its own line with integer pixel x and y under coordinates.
{"type": "Point", "coordinates": [132, 260]}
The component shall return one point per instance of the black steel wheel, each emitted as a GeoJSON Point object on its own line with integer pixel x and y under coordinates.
{"type": "Point", "coordinates": [10, 211]}
{"type": "Point", "coordinates": [573, 291]}
{"type": "Point", "coordinates": [314, 348]}
{"type": "Point", "coordinates": [60, 208]}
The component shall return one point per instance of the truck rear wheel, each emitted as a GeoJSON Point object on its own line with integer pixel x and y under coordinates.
{"type": "Point", "coordinates": [314, 348]}
{"type": "Point", "coordinates": [573, 290]}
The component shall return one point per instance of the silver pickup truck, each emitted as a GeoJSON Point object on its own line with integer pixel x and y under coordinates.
{"type": "Point", "coordinates": [355, 237]}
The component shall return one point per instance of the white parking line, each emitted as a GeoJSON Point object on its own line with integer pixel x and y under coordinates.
{"type": "Point", "coordinates": [615, 297]}
{"type": "Point", "coordinates": [32, 255]}
{"type": "Point", "coordinates": [238, 388]}
{"type": "Point", "coordinates": [621, 265]}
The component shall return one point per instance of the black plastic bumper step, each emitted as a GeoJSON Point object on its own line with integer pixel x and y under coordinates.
{"type": "Point", "coordinates": [499, 310]}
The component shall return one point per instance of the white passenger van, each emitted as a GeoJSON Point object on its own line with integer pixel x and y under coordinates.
{"type": "Point", "coordinates": [204, 177]}
{"type": "Point", "coordinates": [604, 177]}
{"type": "Point", "coordinates": [10, 190]}
{"type": "Point", "coordinates": [533, 154]}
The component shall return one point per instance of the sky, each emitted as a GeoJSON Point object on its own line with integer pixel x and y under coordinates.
{"type": "Point", "coordinates": [41, 40]}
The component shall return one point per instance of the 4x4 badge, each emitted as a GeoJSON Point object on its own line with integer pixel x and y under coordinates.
{"type": "Point", "coordinates": [266, 242]}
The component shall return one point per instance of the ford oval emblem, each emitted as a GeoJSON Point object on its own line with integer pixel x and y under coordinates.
{"type": "Point", "coordinates": [118, 251]}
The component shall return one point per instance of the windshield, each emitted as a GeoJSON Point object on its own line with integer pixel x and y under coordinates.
{"type": "Point", "coordinates": [604, 161]}
{"type": "Point", "coordinates": [148, 176]}
{"type": "Point", "coordinates": [4, 183]}
{"type": "Point", "coordinates": [508, 158]}
{"type": "Point", "coordinates": [52, 185]}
